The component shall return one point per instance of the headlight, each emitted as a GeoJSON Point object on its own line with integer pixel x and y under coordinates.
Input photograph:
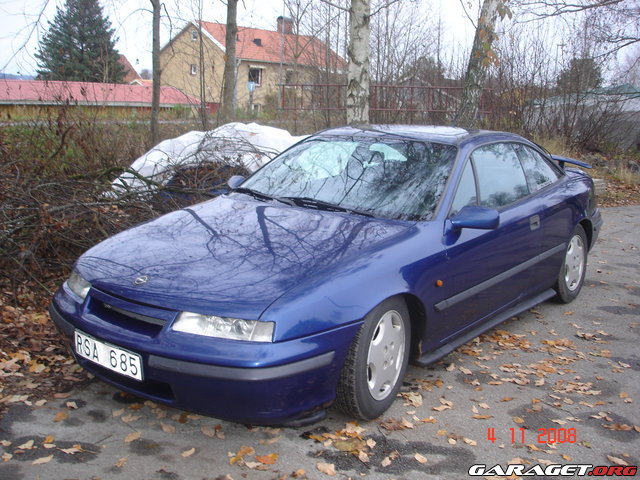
{"type": "Point", "coordinates": [221, 327]}
{"type": "Point", "coordinates": [78, 285]}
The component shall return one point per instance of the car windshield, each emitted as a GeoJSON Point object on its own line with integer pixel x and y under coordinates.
{"type": "Point", "coordinates": [390, 177]}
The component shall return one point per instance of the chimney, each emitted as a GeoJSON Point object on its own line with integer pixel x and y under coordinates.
{"type": "Point", "coordinates": [285, 25]}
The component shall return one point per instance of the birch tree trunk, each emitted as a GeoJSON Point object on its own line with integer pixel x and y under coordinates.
{"type": "Point", "coordinates": [155, 61]}
{"type": "Point", "coordinates": [479, 60]}
{"type": "Point", "coordinates": [358, 73]}
{"type": "Point", "coordinates": [229, 82]}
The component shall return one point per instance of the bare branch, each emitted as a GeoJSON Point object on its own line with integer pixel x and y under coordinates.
{"type": "Point", "coordinates": [334, 5]}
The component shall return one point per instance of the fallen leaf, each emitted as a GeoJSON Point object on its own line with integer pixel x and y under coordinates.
{"type": "Point", "coordinates": [406, 423]}
{"type": "Point", "coordinates": [268, 459]}
{"type": "Point", "coordinates": [566, 457]}
{"type": "Point", "coordinates": [6, 457]}
{"type": "Point", "coordinates": [128, 418]}
{"type": "Point", "coordinates": [385, 462]}
{"type": "Point", "coordinates": [484, 405]}
{"type": "Point", "coordinates": [327, 468]}
{"type": "Point", "coordinates": [466, 371]}
{"type": "Point", "coordinates": [441, 408]}
{"type": "Point", "coordinates": [167, 428]}
{"type": "Point", "coordinates": [244, 450]}
{"type": "Point", "coordinates": [350, 445]}
{"type": "Point", "coordinates": [26, 445]}
{"type": "Point", "coordinates": [121, 462]}
{"type": "Point", "coordinates": [62, 395]}
{"type": "Point", "coordinates": [506, 399]}
{"type": "Point", "coordinates": [371, 443]}
{"type": "Point", "coordinates": [188, 453]}
{"type": "Point", "coordinates": [60, 416]}
{"type": "Point", "coordinates": [299, 473]}
{"type": "Point", "coordinates": [392, 424]}
{"type": "Point", "coordinates": [420, 458]}
{"type": "Point", "coordinates": [617, 461]}
{"type": "Point", "coordinates": [482, 417]}
{"type": "Point", "coordinates": [518, 420]}
{"type": "Point", "coordinates": [71, 451]}
{"type": "Point", "coordinates": [618, 427]}
{"type": "Point", "coordinates": [131, 437]}
{"type": "Point", "coordinates": [40, 461]}
{"type": "Point", "coordinates": [413, 399]}
{"type": "Point", "coordinates": [49, 439]}
{"type": "Point", "coordinates": [468, 441]}
{"type": "Point", "coordinates": [451, 367]}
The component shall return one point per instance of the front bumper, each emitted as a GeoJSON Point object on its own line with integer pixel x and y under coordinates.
{"type": "Point", "coordinates": [274, 391]}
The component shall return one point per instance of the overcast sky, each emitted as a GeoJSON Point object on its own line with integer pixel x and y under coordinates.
{"type": "Point", "coordinates": [23, 22]}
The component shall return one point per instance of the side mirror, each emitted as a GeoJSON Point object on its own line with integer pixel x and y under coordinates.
{"type": "Point", "coordinates": [480, 218]}
{"type": "Point", "coordinates": [235, 181]}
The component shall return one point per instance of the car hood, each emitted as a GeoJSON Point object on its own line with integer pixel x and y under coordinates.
{"type": "Point", "coordinates": [232, 256]}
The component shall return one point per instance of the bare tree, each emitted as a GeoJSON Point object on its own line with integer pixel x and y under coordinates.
{"type": "Point", "coordinates": [229, 83]}
{"type": "Point", "coordinates": [479, 60]}
{"type": "Point", "coordinates": [155, 60]}
{"type": "Point", "coordinates": [358, 73]}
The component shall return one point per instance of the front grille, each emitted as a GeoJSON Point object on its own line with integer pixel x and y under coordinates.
{"type": "Point", "coordinates": [142, 319]}
{"type": "Point", "coordinates": [136, 316]}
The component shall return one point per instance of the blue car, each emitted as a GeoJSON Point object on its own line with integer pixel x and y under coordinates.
{"type": "Point", "coordinates": [317, 279]}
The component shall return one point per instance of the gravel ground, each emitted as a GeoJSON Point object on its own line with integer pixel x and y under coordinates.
{"type": "Point", "coordinates": [563, 378]}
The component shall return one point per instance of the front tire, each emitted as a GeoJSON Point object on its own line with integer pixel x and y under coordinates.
{"type": "Point", "coordinates": [377, 361]}
{"type": "Point", "coordinates": [572, 273]}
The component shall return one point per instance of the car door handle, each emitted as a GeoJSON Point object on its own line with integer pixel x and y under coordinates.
{"type": "Point", "coordinates": [534, 222]}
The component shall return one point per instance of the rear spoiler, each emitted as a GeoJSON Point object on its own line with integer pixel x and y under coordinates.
{"type": "Point", "coordinates": [562, 160]}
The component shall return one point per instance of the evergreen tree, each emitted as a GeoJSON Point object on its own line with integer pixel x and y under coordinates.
{"type": "Point", "coordinates": [582, 74]}
{"type": "Point", "coordinates": [79, 46]}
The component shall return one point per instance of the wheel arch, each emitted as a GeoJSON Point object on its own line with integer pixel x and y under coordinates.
{"type": "Point", "coordinates": [418, 319]}
{"type": "Point", "coordinates": [587, 226]}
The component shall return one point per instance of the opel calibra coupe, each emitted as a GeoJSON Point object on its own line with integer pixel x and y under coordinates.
{"type": "Point", "coordinates": [317, 279]}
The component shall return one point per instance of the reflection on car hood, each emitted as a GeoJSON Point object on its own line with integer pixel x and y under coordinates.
{"type": "Point", "coordinates": [232, 256]}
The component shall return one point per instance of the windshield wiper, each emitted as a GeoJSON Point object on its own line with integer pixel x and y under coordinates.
{"type": "Point", "coordinates": [261, 196]}
{"type": "Point", "coordinates": [309, 202]}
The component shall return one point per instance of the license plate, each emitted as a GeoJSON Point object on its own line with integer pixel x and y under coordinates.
{"type": "Point", "coordinates": [108, 356]}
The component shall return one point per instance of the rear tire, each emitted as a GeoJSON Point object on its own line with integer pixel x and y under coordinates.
{"type": "Point", "coordinates": [377, 361]}
{"type": "Point", "coordinates": [572, 273]}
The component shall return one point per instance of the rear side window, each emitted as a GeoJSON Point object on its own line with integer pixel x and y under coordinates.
{"type": "Point", "coordinates": [501, 179]}
{"type": "Point", "coordinates": [539, 172]}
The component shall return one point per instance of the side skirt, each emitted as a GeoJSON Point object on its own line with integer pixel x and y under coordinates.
{"type": "Point", "coordinates": [432, 356]}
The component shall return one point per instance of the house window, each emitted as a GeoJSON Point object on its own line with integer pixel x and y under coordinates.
{"type": "Point", "coordinates": [255, 76]}
{"type": "Point", "coordinates": [194, 35]}
{"type": "Point", "coordinates": [194, 69]}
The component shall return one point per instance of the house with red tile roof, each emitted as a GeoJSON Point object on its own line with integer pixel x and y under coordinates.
{"type": "Point", "coordinates": [130, 73]}
{"type": "Point", "coordinates": [28, 98]}
{"type": "Point", "coordinates": [193, 61]}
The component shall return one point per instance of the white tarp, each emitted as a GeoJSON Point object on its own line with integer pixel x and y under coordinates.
{"type": "Point", "coordinates": [249, 145]}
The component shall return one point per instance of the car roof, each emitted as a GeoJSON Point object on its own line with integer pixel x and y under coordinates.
{"type": "Point", "coordinates": [431, 133]}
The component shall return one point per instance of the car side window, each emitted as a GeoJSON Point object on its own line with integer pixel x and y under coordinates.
{"type": "Point", "coordinates": [466, 192]}
{"type": "Point", "coordinates": [539, 172]}
{"type": "Point", "coordinates": [501, 179]}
